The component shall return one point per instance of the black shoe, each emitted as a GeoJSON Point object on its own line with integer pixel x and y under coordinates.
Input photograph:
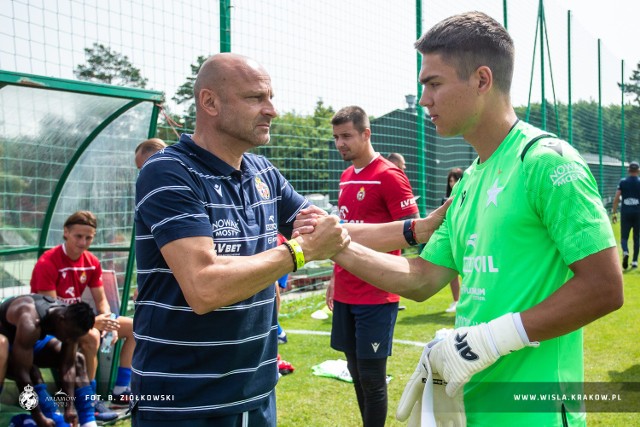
{"type": "Point", "coordinates": [625, 261]}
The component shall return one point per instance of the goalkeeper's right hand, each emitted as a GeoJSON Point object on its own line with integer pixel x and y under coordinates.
{"type": "Point", "coordinates": [468, 350]}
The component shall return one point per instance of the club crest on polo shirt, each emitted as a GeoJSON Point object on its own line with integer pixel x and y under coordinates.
{"type": "Point", "coordinates": [361, 194]}
{"type": "Point", "coordinates": [83, 278]}
{"type": "Point", "coordinates": [263, 189]}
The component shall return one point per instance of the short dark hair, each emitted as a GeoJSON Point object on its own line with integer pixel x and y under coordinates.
{"type": "Point", "coordinates": [353, 114]}
{"type": "Point", "coordinates": [81, 314]}
{"type": "Point", "coordinates": [457, 174]}
{"type": "Point", "coordinates": [395, 156]}
{"type": "Point", "coordinates": [82, 218]}
{"type": "Point", "coordinates": [470, 40]}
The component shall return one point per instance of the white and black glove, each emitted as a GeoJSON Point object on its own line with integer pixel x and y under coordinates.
{"type": "Point", "coordinates": [410, 405]}
{"type": "Point", "coordinates": [469, 350]}
{"type": "Point", "coordinates": [424, 400]}
{"type": "Point", "coordinates": [448, 411]}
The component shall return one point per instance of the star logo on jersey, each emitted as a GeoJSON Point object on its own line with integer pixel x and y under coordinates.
{"type": "Point", "coordinates": [263, 189]}
{"type": "Point", "coordinates": [492, 193]}
{"type": "Point", "coordinates": [361, 194]}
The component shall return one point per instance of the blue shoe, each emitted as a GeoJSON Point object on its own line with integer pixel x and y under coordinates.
{"type": "Point", "coordinates": [102, 413]}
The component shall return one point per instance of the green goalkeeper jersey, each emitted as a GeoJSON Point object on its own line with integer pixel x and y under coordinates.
{"type": "Point", "coordinates": [515, 225]}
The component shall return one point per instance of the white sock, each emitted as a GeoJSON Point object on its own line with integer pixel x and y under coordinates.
{"type": "Point", "coordinates": [90, 424]}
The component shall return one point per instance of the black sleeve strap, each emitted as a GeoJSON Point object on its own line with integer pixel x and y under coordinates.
{"type": "Point", "coordinates": [533, 141]}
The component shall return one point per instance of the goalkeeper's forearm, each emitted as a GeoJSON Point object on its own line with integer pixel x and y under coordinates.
{"type": "Point", "coordinates": [414, 278]}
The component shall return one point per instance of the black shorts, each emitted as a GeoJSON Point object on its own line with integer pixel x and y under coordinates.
{"type": "Point", "coordinates": [364, 329]}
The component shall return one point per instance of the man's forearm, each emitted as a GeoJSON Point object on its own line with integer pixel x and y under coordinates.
{"type": "Point", "coordinates": [394, 235]}
{"type": "Point", "coordinates": [594, 291]}
{"type": "Point", "coordinates": [415, 278]}
{"type": "Point", "coordinates": [384, 237]}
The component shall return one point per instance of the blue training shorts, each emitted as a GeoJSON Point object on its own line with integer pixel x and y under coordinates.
{"type": "Point", "coordinates": [364, 329]}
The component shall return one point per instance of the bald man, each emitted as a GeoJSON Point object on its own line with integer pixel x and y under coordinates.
{"type": "Point", "coordinates": [398, 160]}
{"type": "Point", "coordinates": [146, 149]}
{"type": "Point", "coordinates": [206, 234]}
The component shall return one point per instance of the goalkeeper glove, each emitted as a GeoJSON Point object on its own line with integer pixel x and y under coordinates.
{"type": "Point", "coordinates": [410, 405]}
{"type": "Point", "coordinates": [469, 350]}
{"type": "Point", "coordinates": [424, 400]}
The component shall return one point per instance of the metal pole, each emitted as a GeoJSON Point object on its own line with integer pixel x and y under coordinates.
{"type": "Point", "coordinates": [600, 127]}
{"type": "Point", "coordinates": [570, 104]}
{"type": "Point", "coordinates": [504, 14]}
{"type": "Point", "coordinates": [225, 25]}
{"type": "Point", "coordinates": [543, 102]}
{"type": "Point", "coordinates": [420, 140]}
{"type": "Point", "coordinates": [622, 133]}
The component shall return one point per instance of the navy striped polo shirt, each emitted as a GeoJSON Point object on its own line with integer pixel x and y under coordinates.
{"type": "Point", "coordinates": [222, 362]}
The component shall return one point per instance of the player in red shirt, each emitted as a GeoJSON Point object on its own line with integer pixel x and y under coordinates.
{"type": "Point", "coordinates": [64, 272]}
{"type": "Point", "coordinates": [372, 190]}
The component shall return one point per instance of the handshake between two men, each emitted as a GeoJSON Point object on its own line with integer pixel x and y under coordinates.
{"type": "Point", "coordinates": [326, 234]}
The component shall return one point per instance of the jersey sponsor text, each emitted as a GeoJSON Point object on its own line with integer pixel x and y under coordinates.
{"type": "Point", "coordinates": [226, 248]}
{"type": "Point", "coordinates": [225, 227]}
{"type": "Point", "coordinates": [566, 173]}
{"type": "Point", "coordinates": [480, 264]}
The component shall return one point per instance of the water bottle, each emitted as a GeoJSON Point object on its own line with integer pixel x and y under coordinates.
{"type": "Point", "coordinates": [107, 341]}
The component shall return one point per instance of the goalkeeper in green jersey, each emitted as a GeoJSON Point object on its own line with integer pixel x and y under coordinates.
{"type": "Point", "coordinates": [526, 230]}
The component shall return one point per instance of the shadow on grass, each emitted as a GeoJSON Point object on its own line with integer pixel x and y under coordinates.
{"type": "Point", "coordinates": [629, 378]}
{"type": "Point", "coordinates": [444, 319]}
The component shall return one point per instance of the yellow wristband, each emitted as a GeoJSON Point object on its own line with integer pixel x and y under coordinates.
{"type": "Point", "coordinates": [297, 250]}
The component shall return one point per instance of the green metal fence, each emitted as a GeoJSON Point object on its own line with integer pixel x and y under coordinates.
{"type": "Point", "coordinates": [322, 55]}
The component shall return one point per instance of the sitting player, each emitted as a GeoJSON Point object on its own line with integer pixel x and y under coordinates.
{"type": "Point", "coordinates": [44, 332]}
{"type": "Point", "coordinates": [64, 272]}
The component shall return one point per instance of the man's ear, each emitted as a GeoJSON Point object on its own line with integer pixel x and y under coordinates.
{"type": "Point", "coordinates": [484, 76]}
{"type": "Point", "coordinates": [208, 101]}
